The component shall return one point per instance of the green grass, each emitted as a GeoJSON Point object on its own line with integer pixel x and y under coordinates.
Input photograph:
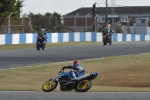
{"type": "Point", "coordinates": [116, 74]}
{"type": "Point", "coordinates": [33, 45]}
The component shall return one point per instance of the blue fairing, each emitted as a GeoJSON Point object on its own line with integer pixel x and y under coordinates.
{"type": "Point", "coordinates": [95, 73]}
{"type": "Point", "coordinates": [68, 74]}
{"type": "Point", "coordinates": [64, 74]}
{"type": "Point", "coordinates": [80, 74]}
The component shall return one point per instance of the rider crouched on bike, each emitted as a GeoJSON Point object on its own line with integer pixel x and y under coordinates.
{"type": "Point", "coordinates": [77, 69]}
{"type": "Point", "coordinates": [108, 30]}
{"type": "Point", "coordinates": [43, 34]}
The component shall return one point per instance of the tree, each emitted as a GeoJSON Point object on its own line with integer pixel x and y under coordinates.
{"type": "Point", "coordinates": [56, 21]}
{"type": "Point", "coordinates": [50, 21]}
{"type": "Point", "coordinates": [8, 6]}
{"type": "Point", "coordinates": [18, 5]}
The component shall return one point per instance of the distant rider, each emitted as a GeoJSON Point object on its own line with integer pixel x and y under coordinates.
{"type": "Point", "coordinates": [108, 30]}
{"type": "Point", "coordinates": [43, 34]}
{"type": "Point", "coordinates": [77, 69]}
{"type": "Point", "coordinates": [44, 38]}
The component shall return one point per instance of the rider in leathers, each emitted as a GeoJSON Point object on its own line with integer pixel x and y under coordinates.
{"type": "Point", "coordinates": [110, 30]}
{"type": "Point", "coordinates": [79, 70]}
{"type": "Point", "coordinates": [43, 34]}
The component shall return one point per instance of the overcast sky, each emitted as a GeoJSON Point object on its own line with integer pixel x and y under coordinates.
{"type": "Point", "coordinates": [66, 6]}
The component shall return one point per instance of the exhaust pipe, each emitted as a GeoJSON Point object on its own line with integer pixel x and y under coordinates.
{"type": "Point", "coordinates": [84, 76]}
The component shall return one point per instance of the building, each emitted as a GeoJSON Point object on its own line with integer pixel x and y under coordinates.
{"type": "Point", "coordinates": [123, 19]}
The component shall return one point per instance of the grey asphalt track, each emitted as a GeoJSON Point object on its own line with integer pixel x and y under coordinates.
{"type": "Point", "coordinates": [28, 57]}
{"type": "Point", "coordinates": [74, 96]}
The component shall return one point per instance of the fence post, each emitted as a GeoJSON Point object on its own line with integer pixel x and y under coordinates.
{"type": "Point", "coordinates": [9, 22]}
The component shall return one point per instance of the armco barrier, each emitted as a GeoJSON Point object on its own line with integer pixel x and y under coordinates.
{"type": "Point", "coordinates": [24, 38]}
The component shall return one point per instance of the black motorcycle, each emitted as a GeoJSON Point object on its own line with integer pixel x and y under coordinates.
{"type": "Point", "coordinates": [107, 39]}
{"type": "Point", "coordinates": [39, 43]}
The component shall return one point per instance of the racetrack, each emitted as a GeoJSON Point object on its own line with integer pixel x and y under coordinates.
{"type": "Point", "coordinates": [73, 96]}
{"type": "Point", "coordinates": [28, 57]}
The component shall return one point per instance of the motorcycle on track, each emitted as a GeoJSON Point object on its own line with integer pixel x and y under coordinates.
{"type": "Point", "coordinates": [39, 43]}
{"type": "Point", "coordinates": [107, 39]}
{"type": "Point", "coordinates": [82, 84]}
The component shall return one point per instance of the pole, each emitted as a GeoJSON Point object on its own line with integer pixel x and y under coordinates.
{"type": "Point", "coordinates": [128, 27]}
{"type": "Point", "coordinates": [9, 22]}
{"type": "Point", "coordinates": [22, 20]}
{"type": "Point", "coordinates": [75, 20]}
{"type": "Point", "coordinates": [22, 23]}
{"type": "Point", "coordinates": [106, 13]}
{"type": "Point", "coordinates": [95, 22]}
{"type": "Point", "coordinates": [86, 20]}
{"type": "Point", "coordinates": [49, 20]}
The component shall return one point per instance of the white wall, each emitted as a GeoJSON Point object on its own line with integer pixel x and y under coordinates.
{"type": "Point", "coordinates": [99, 37]}
{"type": "Point", "coordinates": [147, 37]}
{"type": "Point", "coordinates": [29, 38]}
{"type": "Point", "coordinates": [2, 39]}
{"type": "Point", "coordinates": [128, 37]}
{"type": "Point", "coordinates": [137, 37]}
{"type": "Point", "coordinates": [15, 39]}
{"type": "Point", "coordinates": [65, 37]}
{"type": "Point", "coordinates": [54, 37]}
{"type": "Point", "coordinates": [119, 37]}
{"type": "Point", "coordinates": [77, 37]}
{"type": "Point", "coordinates": [88, 36]}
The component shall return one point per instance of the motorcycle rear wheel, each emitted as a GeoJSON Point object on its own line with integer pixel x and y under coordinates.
{"type": "Point", "coordinates": [83, 86]}
{"type": "Point", "coordinates": [48, 87]}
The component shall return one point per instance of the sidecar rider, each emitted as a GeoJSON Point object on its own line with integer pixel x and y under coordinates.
{"type": "Point", "coordinates": [77, 69]}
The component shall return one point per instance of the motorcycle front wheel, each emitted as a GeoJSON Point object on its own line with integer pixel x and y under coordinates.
{"type": "Point", "coordinates": [49, 86]}
{"type": "Point", "coordinates": [83, 86]}
{"type": "Point", "coordinates": [38, 45]}
{"type": "Point", "coordinates": [43, 47]}
{"type": "Point", "coordinates": [110, 41]}
{"type": "Point", "coordinates": [104, 42]}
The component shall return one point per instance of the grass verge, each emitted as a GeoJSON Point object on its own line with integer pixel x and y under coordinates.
{"type": "Point", "coordinates": [116, 74]}
{"type": "Point", "coordinates": [33, 45]}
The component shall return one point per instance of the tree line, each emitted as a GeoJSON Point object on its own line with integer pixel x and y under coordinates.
{"type": "Point", "coordinates": [8, 6]}
{"type": "Point", "coordinates": [50, 21]}
{"type": "Point", "coordinates": [31, 22]}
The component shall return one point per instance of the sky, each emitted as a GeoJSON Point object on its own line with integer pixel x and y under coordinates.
{"type": "Point", "coordinates": [66, 6]}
